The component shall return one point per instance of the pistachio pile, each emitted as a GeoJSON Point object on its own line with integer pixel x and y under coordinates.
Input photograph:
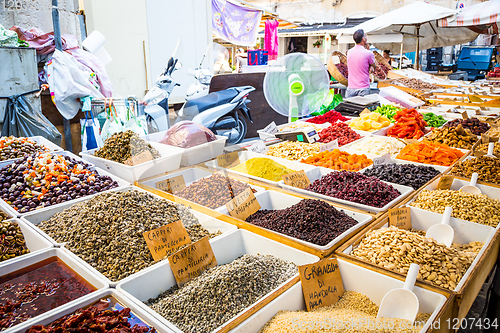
{"type": "Point", "coordinates": [213, 298]}
{"type": "Point", "coordinates": [455, 137]}
{"type": "Point", "coordinates": [488, 169]}
{"type": "Point", "coordinates": [293, 150]}
{"type": "Point", "coordinates": [395, 249]}
{"type": "Point", "coordinates": [478, 208]}
{"type": "Point", "coordinates": [12, 243]}
{"type": "Point", "coordinates": [106, 231]}
{"type": "Point", "coordinates": [123, 145]}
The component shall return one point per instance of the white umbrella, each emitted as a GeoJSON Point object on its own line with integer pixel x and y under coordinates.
{"type": "Point", "coordinates": [417, 22]}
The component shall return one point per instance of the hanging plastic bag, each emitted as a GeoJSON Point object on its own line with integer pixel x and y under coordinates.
{"type": "Point", "coordinates": [91, 137]}
{"type": "Point", "coordinates": [113, 124]}
{"type": "Point", "coordinates": [135, 124]}
{"type": "Point", "coordinates": [68, 83]}
{"type": "Point", "coordinates": [23, 119]}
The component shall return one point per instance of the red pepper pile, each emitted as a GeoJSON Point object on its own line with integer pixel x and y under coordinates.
{"type": "Point", "coordinates": [409, 125]}
{"type": "Point", "coordinates": [329, 117]}
{"type": "Point", "coordinates": [340, 131]}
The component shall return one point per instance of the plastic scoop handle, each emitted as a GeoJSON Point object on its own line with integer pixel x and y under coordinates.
{"type": "Point", "coordinates": [447, 215]}
{"type": "Point", "coordinates": [491, 146]}
{"type": "Point", "coordinates": [473, 179]}
{"type": "Point", "coordinates": [411, 277]}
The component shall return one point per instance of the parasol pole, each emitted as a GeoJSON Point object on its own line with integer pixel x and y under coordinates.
{"type": "Point", "coordinates": [417, 56]}
{"type": "Point", "coordinates": [401, 54]}
{"type": "Point", "coordinates": [58, 42]}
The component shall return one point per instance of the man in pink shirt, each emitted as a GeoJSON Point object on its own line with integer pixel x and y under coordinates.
{"type": "Point", "coordinates": [359, 61]}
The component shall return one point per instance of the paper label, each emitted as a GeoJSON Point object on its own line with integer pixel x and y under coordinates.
{"type": "Point", "coordinates": [166, 239]}
{"type": "Point", "coordinates": [329, 146]}
{"type": "Point", "coordinates": [465, 115]}
{"type": "Point", "coordinates": [172, 185]}
{"type": "Point", "coordinates": [478, 112]}
{"type": "Point", "coordinates": [228, 160]}
{"type": "Point", "coordinates": [191, 261]}
{"type": "Point", "coordinates": [258, 147]}
{"type": "Point", "coordinates": [271, 128]}
{"type": "Point", "coordinates": [400, 217]}
{"type": "Point", "coordinates": [297, 179]}
{"type": "Point", "coordinates": [321, 283]}
{"type": "Point", "coordinates": [243, 205]}
{"type": "Point", "coordinates": [445, 182]}
{"type": "Point", "coordinates": [139, 158]}
{"type": "Point", "coordinates": [385, 159]}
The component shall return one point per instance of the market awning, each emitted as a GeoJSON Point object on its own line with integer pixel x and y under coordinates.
{"type": "Point", "coordinates": [481, 18]}
{"type": "Point", "coordinates": [416, 19]}
{"type": "Point", "coordinates": [283, 24]}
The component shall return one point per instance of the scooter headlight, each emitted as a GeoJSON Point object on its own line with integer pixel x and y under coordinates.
{"type": "Point", "coordinates": [205, 79]}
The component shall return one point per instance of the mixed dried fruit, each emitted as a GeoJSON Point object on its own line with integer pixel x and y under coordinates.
{"type": "Point", "coordinates": [122, 146]}
{"type": "Point", "coordinates": [12, 147]}
{"type": "Point", "coordinates": [12, 242]}
{"type": "Point", "coordinates": [338, 131]}
{"type": "Point", "coordinates": [488, 169]}
{"type": "Point", "coordinates": [369, 122]}
{"type": "Point", "coordinates": [429, 152]}
{"type": "Point", "coordinates": [472, 124]}
{"type": "Point", "coordinates": [411, 175]}
{"type": "Point", "coordinates": [455, 137]}
{"type": "Point", "coordinates": [410, 124]}
{"type": "Point", "coordinates": [293, 150]}
{"type": "Point", "coordinates": [328, 117]}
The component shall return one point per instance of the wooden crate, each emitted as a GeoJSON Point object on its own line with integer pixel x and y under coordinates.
{"type": "Point", "coordinates": [253, 228]}
{"type": "Point", "coordinates": [463, 298]}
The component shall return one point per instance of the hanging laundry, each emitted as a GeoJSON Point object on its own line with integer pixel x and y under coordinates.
{"type": "Point", "coordinates": [271, 39]}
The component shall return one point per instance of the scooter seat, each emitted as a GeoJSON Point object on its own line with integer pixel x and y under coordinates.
{"type": "Point", "coordinates": [211, 100]}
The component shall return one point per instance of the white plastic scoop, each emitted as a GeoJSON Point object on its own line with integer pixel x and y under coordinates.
{"type": "Point", "coordinates": [442, 233]}
{"type": "Point", "coordinates": [491, 147]}
{"type": "Point", "coordinates": [472, 188]}
{"type": "Point", "coordinates": [402, 302]}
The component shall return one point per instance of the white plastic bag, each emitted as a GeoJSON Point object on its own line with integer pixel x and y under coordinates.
{"type": "Point", "coordinates": [68, 83]}
{"type": "Point", "coordinates": [135, 124]}
{"type": "Point", "coordinates": [91, 138]}
{"type": "Point", "coordinates": [113, 124]}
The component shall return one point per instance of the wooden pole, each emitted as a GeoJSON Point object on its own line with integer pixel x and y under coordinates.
{"type": "Point", "coordinates": [417, 56]}
{"type": "Point", "coordinates": [58, 42]}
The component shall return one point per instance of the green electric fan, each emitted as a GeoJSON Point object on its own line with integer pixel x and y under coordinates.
{"type": "Point", "coordinates": [296, 85]}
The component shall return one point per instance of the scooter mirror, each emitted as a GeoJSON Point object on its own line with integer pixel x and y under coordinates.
{"type": "Point", "coordinates": [170, 62]}
{"type": "Point", "coordinates": [178, 65]}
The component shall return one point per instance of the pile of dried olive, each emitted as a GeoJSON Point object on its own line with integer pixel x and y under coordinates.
{"type": "Point", "coordinates": [107, 230]}
{"type": "Point", "coordinates": [12, 147]}
{"type": "Point", "coordinates": [214, 191]}
{"type": "Point", "coordinates": [488, 169]}
{"type": "Point", "coordinates": [123, 145]}
{"type": "Point", "coordinates": [12, 243]}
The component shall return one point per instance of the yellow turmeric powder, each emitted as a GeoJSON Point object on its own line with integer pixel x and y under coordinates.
{"type": "Point", "coordinates": [263, 168]}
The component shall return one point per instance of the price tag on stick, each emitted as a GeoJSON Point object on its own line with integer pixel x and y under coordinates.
{"type": "Point", "coordinates": [385, 159]}
{"type": "Point", "coordinates": [228, 160]}
{"type": "Point", "coordinates": [191, 261]}
{"type": "Point", "coordinates": [243, 205]}
{"type": "Point", "coordinates": [445, 182]}
{"type": "Point", "coordinates": [329, 146]}
{"type": "Point", "coordinates": [271, 128]}
{"type": "Point", "coordinates": [297, 179]}
{"type": "Point", "coordinates": [258, 147]}
{"type": "Point", "coordinates": [139, 158]}
{"type": "Point", "coordinates": [172, 185]}
{"type": "Point", "coordinates": [166, 239]}
{"type": "Point", "coordinates": [400, 217]}
{"type": "Point", "coordinates": [465, 115]}
{"type": "Point", "coordinates": [321, 283]}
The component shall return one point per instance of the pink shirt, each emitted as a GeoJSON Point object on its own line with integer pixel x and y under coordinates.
{"type": "Point", "coordinates": [359, 60]}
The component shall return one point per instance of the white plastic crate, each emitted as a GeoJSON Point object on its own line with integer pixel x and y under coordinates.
{"type": "Point", "coordinates": [87, 301]}
{"type": "Point", "coordinates": [70, 261]}
{"type": "Point", "coordinates": [272, 200]}
{"type": "Point", "coordinates": [240, 242]}
{"type": "Point", "coordinates": [170, 160]}
{"type": "Point", "coordinates": [197, 154]}
{"type": "Point", "coordinates": [465, 232]}
{"type": "Point", "coordinates": [318, 173]}
{"type": "Point", "coordinates": [209, 223]}
{"type": "Point", "coordinates": [355, 278]}
{"type": "Point", "coordinates": [35, 242]}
